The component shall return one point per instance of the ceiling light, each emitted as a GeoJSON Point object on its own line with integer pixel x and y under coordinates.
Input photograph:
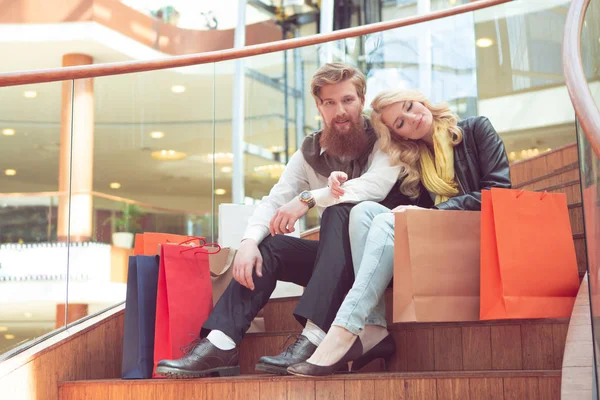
{"type": "Point", "coordinates": [30, 94]}
{"type": "Point", "coordinates": [28, 315]}
{"type": "Point", "coordinates": [452, 2]}
{"type": "Point", "coordinates": [157, 135]}
{"type": "Point", "coordinates": [178, 89]}
{"type": "Point", "coordinates": [220, 192]}
{"type": "Point", "coordinates": [220, 158]}
{"type": "Point", "coordinates": [115, 185]}
{"type": "Point", "coordinates": [10, 172]}
{"type": "Point", "coordinates": [318, 117]}
{"type": "Point", "coordinates": [168, 155]}
{"type": "Point", "coordinates": [226, 170]}
{"type": "Point", "coordinates": [8, 132]}
{"type": "Point", "coordinates": [484, 42]}
{"type": "Point", "coordinates": [3, 328]}
{"type": "Point", "coordinates": [9, 336]}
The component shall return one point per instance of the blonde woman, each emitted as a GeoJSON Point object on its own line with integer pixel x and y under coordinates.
{"type": "Point", "coordinates": [453, 161]}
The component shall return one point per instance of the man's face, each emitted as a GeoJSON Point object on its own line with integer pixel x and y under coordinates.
{"type": "Point", "coordinates": [340, 107]}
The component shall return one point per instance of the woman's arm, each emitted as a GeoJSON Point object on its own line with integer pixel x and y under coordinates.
{"type": "Point", "coordinates": [493, 166]}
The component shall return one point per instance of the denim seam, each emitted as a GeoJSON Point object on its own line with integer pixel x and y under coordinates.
{"type": "Point", "coordinates": [388, 236]}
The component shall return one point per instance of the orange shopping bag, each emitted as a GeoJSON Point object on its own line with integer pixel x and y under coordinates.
{"type": "Point", "coordinates": [147, 243]}
{"type": "Point", "coordinates": [528, 264]}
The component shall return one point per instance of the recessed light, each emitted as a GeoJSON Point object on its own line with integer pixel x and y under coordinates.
{"type": "Point", "coordinates": [168, 155]}
{"type": "Point", "coordinates": [178, 89]}
{"type": "Point", "coordinates": [9, 336]}
{"type": "Point", "coordinates": [484, 42]}
{"type": "Point", "coordinates": [10, 172]}
{"type": "Point", "coordinates": [220, 158]}
{"type": "Point", "coordinates": [28, 315]}
{"type": "Point", "coordinates": [30, 94]}
{"type": "Point", "coordinates": [115, 185]}
{"type": "Point", "coordinates": [157, 135]}
{"type": "Point", "coordinates": [226, 170]}
{"type": "Point", "coordinates": [220, 192]}
{"type": "Point", "coordinates": [3, 329]}
{"type": "Point", "coordinates": [8, 132]}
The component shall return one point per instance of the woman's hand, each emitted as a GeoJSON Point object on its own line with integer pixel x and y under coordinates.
{"type": "Point", "coordinates": [406, 207]}
{"type": "Point", "coordinates": [335, 182]}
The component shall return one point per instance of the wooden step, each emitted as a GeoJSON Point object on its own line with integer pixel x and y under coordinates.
{"type": "Point", "coordinates": [466, 346]}
{"type": "Point", "coordinates": [476, 385]}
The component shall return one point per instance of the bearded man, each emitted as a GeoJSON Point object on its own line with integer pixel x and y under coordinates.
{"type": "Point", "coordinates": [347, 143]}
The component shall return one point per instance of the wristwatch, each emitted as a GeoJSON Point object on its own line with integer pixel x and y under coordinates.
{"type": "Point", "coordinates": [307, 198]}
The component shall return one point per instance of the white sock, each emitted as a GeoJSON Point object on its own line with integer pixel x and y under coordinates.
{"type": "Point", "coordinates": [313, 333]}
{"type": "Point", "coordinates": [221, 340]}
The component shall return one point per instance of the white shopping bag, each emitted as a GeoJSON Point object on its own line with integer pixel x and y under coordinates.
{"type": "Point", "coordinates": [233, 219]}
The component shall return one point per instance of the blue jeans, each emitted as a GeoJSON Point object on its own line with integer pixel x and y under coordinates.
{"type": "Point", "coordinates": [372, 243]}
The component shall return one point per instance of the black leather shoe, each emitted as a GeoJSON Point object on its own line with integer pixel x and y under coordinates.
{"type": "Point", "coordinates": [201, 358]}
{"type": "Point", "coordinates": [384, 349]}
{"type": "Point", "coordinates": [297, 352]}
{"type": "Point", "coordinates": [308, 369]}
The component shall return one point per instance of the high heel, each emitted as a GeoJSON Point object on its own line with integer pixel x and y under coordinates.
{"type": "Point", "coordinates": [384, 349]}
{"type": "Point", "coordinates": [308, 369]}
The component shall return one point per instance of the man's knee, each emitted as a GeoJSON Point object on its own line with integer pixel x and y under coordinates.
{"type": "Point", "coordinates": [272, 244]}
{"type": "Point", "coordinates": [339, 212]}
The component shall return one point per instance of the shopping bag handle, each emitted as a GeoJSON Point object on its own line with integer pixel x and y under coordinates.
{"type": "Point", "coordinates": [201, 249]}
{"type": "Point", "coordinates": [523, 191]}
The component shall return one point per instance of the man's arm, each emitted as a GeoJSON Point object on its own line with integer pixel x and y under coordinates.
{"type": "Point", "coordinates": [292, 182]}
{"type": "Point", "coordinates": [373, 185]}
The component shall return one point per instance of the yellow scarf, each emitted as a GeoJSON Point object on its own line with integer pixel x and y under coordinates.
{"type": "Point", "coordinates": [438, 174]}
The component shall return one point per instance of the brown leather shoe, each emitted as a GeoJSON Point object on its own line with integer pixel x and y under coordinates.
{"type": "Point", "coordinates": [201, 358]}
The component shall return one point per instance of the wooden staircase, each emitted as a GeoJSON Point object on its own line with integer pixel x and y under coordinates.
{"type": "Point", "coordinates": [475, 360]}
{"type": "Point", "coordinates": [511, 359]}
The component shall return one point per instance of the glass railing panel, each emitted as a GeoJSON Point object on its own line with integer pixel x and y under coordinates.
{"type": "Point", "coordinates": [35, 124]}
{"type": "Point", "coordinates": [473, 61]}
{"type": "Point", "coordinates": [149, 137]}
{"type": "Point", "coordinates": [590, 173]}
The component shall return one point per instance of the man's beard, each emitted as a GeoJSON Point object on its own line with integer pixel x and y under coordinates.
{"type": "Point", "coordinates": [349, 144]}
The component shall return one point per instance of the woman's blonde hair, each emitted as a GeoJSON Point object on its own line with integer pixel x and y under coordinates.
{"type": "Point", "coordinates": [407, 153]}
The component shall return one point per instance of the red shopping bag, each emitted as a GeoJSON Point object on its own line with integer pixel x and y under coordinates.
{"type": "Point", "coordinates": [148, 243]}
{"type": "Point", "coordinates": [528, 264]}
{"type": "Point", "coordinates": [183, 300]}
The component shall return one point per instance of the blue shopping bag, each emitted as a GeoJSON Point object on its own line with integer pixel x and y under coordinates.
{"type": "Point", "coordinates": [140, 317]}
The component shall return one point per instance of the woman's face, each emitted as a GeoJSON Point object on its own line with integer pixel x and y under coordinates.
{"type": "Point", "coordinates": [408, 119]}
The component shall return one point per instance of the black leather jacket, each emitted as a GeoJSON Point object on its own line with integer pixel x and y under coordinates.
{"type": "Point", "coordinates": [480, 162]}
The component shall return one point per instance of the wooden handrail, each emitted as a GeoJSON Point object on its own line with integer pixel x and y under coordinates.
{"type": "Point", "coordinates": [584, 104]}
{"type": "Point", "coordinates": [92, 71]}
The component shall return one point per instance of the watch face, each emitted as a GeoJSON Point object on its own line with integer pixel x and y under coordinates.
{"type": "Point", "coordinates": [306, 196]}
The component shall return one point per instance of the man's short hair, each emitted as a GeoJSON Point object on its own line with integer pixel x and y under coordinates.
{"type": "Point", "coordinates": [332, 73]}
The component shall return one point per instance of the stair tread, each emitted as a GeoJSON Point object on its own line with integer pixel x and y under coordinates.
{"type": "Point", "coordinates": [336, 377]}
{"type": "Point", "coordinates": [419, 325]}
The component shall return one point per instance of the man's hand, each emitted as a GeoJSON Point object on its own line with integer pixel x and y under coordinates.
{"type": "Point", "coordinates": [404, 208]}
{"type": "Point", "coordinates": [286, 216]}
{"type": "Point", "coordinates": [247, 257]}
{"type": "Point", "coordinates": [335, 182]}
